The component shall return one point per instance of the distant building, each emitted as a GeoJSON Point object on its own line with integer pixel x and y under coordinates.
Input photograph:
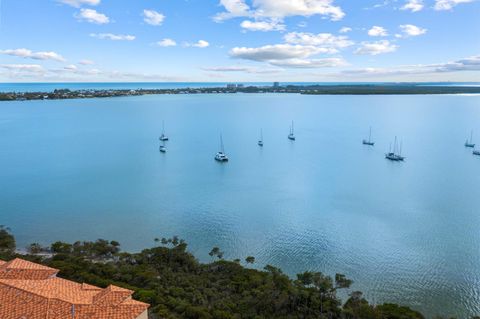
{"type": "Point", "coordinates": [231, 86]}
{"type": "Point", "coordinates": [240, 86]}
{"type": "Point", "coordinates": [33, 291]}
{"type": "Point", "coordinates": [276, 84]}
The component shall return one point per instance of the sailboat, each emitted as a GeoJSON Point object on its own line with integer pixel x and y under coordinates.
{"type": "Point", "coordinates": [291, 136]}
{"type": "Point", "coordinates": [260, 141]}
{"type": "Point", "coordinates": [369, 141]}
{"type": "Point", "coordinates": [163, 137]}
{"type": "Point", "coordinates": [476, 152]}
{"type": "Point", "coordinates": [395, 155]}
{"type": "Point", "coordinates": [221, 156]}
{"type": "Point", "coordinates": [469, 143]}
{"type": "Point", "coordinates": [163, 149]}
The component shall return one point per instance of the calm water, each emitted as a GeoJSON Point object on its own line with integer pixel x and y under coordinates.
{"type": "Point", "coordinates": [405, 232]}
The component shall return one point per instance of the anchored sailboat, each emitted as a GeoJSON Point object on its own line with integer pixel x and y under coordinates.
{"type": "Point", "coordinates": [369, 141]}
{"type": "Point", "coordinates": [260, 141]}
{"type": "Point", "coordinates": [163, 148]}
{"type": "Point", "coordinates": [395, 154]}
{"type": "Point", "coordinates": [291, 136]}
{"type": "Point", "coordinates": [476, 152]}
{"type": "Point", "coordinates": [469, 143]}
{"type": "Point", "coordinates": [221, 156]}
{"type": "Point", "coordinates": [163, 137]}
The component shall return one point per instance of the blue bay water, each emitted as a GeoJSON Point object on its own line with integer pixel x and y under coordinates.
{"type": "Point", "coordinates": [404, 232]}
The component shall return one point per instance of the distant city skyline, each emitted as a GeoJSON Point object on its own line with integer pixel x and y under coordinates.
{"type": "Point", "coordinates": [239, 40]}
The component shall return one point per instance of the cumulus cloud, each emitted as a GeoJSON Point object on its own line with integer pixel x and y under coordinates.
{"type": "Point", "coordinates": [345, 30]}
{"type": "Point", "coordinates": [279, 9]}
{"type": "Point", "coordinates": [410, 30]}
{"type": "Point", "coordinates": [287, 55]}
{"type": "Point", "coordinates": [113, 37]}
{"type": "Point", "coordinates": [41, 55]}
{"type": "Point", "coordinates": [448, 4]}
{"type": "Point", "coordinates": [310, 63]}
{"type": "Point", "coordinates": [324, 40]}
{"type": "Point", "coordinates": [268, 53]}
{"type": "Point", "coordinates": [92, 16]}
{"type": "Point", "coordinates": [199, 44]}
{"type": "Point", "coordinates": [270, 25]}
{"type": "Point", "coordinates": [71, 67]}
{"type": "Point", "coordinates": [413, 5]}
{"type": "Point", "coordinates": [153, 17]}
{"type": "Point", "coordinates": [377, 31]}
{"type": "Point", "coordinates": [166, 43]}
{"type": "Point", "coordinates": [375, 48]}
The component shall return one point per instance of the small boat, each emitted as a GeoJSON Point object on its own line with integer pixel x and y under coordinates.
{"type": "Point", "coordinates": [221, 156]}
{"type": "Point", "coordinates": [163, 137]}
{"type": "Point", "coordinates": [469, 143]}
{"type": "Point", "coordinates": [393, 155]}
{"type": "Point", "coordinates": [291, 136]}
{"type": "Point", "coordinates": [163, 149]}
{"type": "Point", "coordinates": [369, 141]}
{"type": "Point", "coordinates": [260, 141]}
{"type": "Point", "coordinates": [476, 152]}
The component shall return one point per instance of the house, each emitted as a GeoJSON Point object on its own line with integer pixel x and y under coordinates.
{"type": "Point", "coordinates": [32, 291]}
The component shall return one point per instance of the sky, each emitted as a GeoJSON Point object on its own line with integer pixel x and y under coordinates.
{"type": "Point", "coordinates": [239, 40]}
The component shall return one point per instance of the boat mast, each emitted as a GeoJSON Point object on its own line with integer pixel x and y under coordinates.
{"type": "Point", "coordinates": [292, 128]}
{"type": "Point", "coordinates": [395, 146]}
{"type": "Point", "coordinates": [163, 128]}
{"type": "Point", "coordinates": [370, 135]}
{"type": "Point", "coordinates": [261, 135]}
{"type": "Point", "coordinates": [471, 136]}
{"type": "Point", "coordinates": [221, 144]}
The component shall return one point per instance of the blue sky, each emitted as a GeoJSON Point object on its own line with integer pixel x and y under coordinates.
{"type": "Point", "coordinates": [239, 40]}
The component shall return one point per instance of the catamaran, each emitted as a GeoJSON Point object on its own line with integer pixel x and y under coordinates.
{"type": "Point", "coordinates": [469, 143]}
{"type": "Point", "coordinates": [221, 156]}
{"type": "Point", "coordinates": [291, 136]}
{"type": "Point", "coordinates": [163, 137]}
{"type": "Point", "coordinates": [369, 141]}
{"type": "Point", "coordinates": [393, 155]}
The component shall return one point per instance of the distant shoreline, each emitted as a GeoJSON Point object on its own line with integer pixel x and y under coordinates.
{"type": "Point", "coordinates": [351, 89]}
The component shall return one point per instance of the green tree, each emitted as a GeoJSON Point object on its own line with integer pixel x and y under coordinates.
{"type": "Point", "coordinates": [7, 242]}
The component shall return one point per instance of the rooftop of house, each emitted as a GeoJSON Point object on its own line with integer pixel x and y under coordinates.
{"type": "Point", "coordinates": [30, 288]}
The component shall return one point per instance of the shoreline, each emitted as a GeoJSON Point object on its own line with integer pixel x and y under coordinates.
{"type": "Point", "coordinates": [364, 89]}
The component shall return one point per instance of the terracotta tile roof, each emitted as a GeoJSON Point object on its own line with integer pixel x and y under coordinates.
{"type": "Point", "coordinates": [32, 291]}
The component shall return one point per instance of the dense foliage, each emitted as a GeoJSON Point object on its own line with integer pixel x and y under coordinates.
{"type": "Point", "coordinates": [178, 286]}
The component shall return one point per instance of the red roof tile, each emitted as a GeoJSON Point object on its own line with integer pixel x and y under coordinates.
{"type": "Point", "coordinates": [31, 291]}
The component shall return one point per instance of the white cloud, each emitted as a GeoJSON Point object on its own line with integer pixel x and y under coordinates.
{"type": "Point", "coordinates": [448, 4]}
{"type": "Point", "coordinates": [113, 37]}
{"type": "Point", "coordinates": [270, 25]}
{"type": "Point", "coordinates": [92, 16]}
{"type": "Point", "coordinates": [325, 40]}
{"type": "Point", "coordinates": [166, 43]}
{"type": "Point", "coordinates": [310, 63]}
{"type": "Point", "coordinates": [375, 48]}
{"type": "Point", "coordinates": [345, 30]}
{"type": "Point", "coordinates": [153, 17]}
{"type": "Point", "coordinates": [274, 53]}
{"type": "Point", "coordinates": [413, 5]}
{"type": "Point", "coordinates": [410, 30]}
{"type": "Point", "coordinates": [199, 44]}
{"type": "Point", "coordinates": [234, 8]}
{"type": "Point", "coordinates": [279, 9]}
{"type": "Point", "coordinates": [377, 31]}
{"type": "Point", "coordinates": [246, 69]}
{"type": "Point", "coordinates": [86, 62]}
{"type": "Point", "coordinates": [79, 3]}
{"type": "Point", "coordinates": [41, 55]}
{"type": "Point", "coordinates": [34, 68]}
{"type": "Point", "coordinates": [71, 67]}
